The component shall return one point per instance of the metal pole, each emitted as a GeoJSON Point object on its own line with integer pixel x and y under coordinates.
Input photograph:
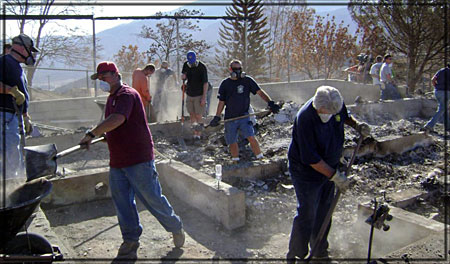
{"type": "Point", "coordinates": [87, 82]}
{"type": "Point", "coordinates": [94, 54]}
{"type": "Point", "coordinates": [245, 42]}
{"type": "Point", "coordinates": [178, 48]}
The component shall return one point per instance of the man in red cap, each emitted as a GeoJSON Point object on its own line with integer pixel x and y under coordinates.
{"type": "Point", "coordinates": [132, 167]}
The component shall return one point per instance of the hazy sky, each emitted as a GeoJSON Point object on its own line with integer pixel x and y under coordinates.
{"type": "Point", "coordinates": [139, 8]}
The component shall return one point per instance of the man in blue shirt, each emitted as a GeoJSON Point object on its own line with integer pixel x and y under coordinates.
{"type": "Point", "coordinates": [14, 101]}
{"type": "Point", "coordinates": [234, 92]}
{"type": "Point", "coordinates": [441, 82]}
{"type": "Point", "coordinates": [314, 154]}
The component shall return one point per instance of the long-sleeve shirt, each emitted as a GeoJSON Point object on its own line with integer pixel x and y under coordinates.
{"type": "Point", "coordinates": [140, 83]}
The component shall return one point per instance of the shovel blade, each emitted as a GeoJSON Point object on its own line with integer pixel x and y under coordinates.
{"type": "Point", "coordinates": [40, 161]}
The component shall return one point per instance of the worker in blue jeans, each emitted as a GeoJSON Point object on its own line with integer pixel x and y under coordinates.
{"type": "Point", "coordinates": [314, 154]}
{"type": "Point", "coordinates": [132, 167]}
{"type": "Point", "coordinates": [441, 82]}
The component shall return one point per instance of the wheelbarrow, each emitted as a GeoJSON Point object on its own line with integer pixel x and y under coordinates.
{"type": "Point", "coordinates": [18, 207]}
{"type": "Point", "coordinates": [41, 160]}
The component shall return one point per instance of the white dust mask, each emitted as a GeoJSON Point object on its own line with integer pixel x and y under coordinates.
{"type": "Point", "coordinates": [325, 117]}
{"type": "Point", "coordinates": [104, 86]}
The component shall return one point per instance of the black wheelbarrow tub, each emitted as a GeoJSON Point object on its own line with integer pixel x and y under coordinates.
{"type": "Point", "coordinates": [20, 204]}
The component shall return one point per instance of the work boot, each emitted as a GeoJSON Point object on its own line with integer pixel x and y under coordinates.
{"type": "Point", "coordinates": [324, 258]}
{"type": "Point", "coordinates": [178, 238]}
{"type": "Point", "coordinates": [128, 249]}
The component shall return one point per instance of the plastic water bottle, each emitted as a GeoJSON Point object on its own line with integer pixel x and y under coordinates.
{"type": "Point", "coordinates": [218, 174]}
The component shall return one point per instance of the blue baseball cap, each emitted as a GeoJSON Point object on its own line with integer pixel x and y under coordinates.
{"type": "Point", "coordinates": [191, 57]}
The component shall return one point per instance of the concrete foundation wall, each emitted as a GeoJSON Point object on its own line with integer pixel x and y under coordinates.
{"type": "Point", "coordinates": [68, 113]}
{"type": "Point", "coordinates": [76, 112]}
{"type": "Point", "coordinates": [226, 204]}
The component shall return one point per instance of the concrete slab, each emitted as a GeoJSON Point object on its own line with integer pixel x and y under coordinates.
{"type": "Point", "coordinates": [407, 197]}
{"type": "Point", "coordinates": [258, 170]}
{"type": "Point", "coordinates": [225, 204]}
{"type": "Point", "coordinates": [405, 229]}
{"type": "Point", "coordinates": [78, 189]}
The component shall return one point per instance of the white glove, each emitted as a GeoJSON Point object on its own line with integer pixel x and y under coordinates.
{"type": "Point", "coordinates": [363, 129]}
{"type": "Point", "coordinates": [340, 180]}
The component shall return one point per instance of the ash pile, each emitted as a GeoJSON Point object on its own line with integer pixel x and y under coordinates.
{"type": "Point", "coordinates": [414, 162]}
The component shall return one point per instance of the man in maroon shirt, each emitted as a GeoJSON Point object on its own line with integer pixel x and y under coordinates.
{"type": "Point", "coordinates": [132, 167]}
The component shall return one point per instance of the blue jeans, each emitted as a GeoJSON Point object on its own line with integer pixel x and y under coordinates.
{"type": "Point", "coordinates": [140, 180]}
{"type": "Point", "coordinates": [14, 161]}
{"type": "Point", "coordinates": [313, 202]}
{"type": "Point", "coordinates": [232, 129]}
{"type": "Point", "coordinates": [442, 105]}
{"type": "Point", "coordinates": [390, 92]}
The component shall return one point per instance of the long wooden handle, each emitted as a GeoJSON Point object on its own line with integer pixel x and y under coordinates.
{"type": "Point", "coordinates": [244, 116]}
{"type": "Point", "coordinates": [76, 148]}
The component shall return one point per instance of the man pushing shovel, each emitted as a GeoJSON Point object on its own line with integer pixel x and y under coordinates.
{"type": "Point", "coordinates": [234, 92]}
{"type": "Point", "coordinates": [132, 167]}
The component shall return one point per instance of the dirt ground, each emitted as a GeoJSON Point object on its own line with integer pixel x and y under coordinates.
{"type": "Point", "coordinates": [92, 230]}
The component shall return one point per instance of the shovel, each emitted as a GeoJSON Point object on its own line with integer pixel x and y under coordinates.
{"type": "Point", "coordinates": [180, 138]}
{"type": "Point", "coordinates": [260, 114]}
{"type": "Point", "coordinates": [41, 160]}
{"type": "Point", "coordinates": [326, 221]}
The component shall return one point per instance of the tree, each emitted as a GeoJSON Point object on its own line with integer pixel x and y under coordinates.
{"type": "Point", "coordinates": [165, 36]}
{"type": "Point", "coordinates": [70, 48]}
{"type": "Point", "coordinates": [129, 58]}
{"type": "Point", "coordinates": [278, 51]}
{"type": "Point", "coordinates": [412, 28]}
{"type": "Point", "coordinates": [233, 40]}
{"type": "Point", "coordinates": [319, 46]}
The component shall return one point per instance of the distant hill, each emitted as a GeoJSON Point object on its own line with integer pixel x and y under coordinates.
{"type": "Point", "coordinates": [114, 38]}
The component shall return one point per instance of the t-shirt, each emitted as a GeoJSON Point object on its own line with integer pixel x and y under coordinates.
{"type": "Point", "coordinates": [375, 70]}
{"type": "Point", "coordinates": [196, 78]}
{"type": "Point", "coordinates": [313, 140]}
{"type": "Point", "coordinates": [140, 83]}
{"type": "Point", "coordinates": [11, 73]}
{"type": "Point", "coordinates": [131, 143]}
{"type": "Point", "coordinates": [443, 79]}
{"type": "Point", "coordinates": [236, 95]}
{"type": "Point", "coordinates": [162, 76]}
{"type": "Point", "coordinates": [384, 72]}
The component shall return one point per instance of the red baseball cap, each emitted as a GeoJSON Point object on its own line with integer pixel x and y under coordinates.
{"type": "Point", "coordinates": [103, 67]}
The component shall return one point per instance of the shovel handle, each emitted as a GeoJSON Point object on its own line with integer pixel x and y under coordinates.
{"type": "Point", "coordinates": [244, 116]}
{"type": "Point", "coordinates": [76, 148]}
{"type": "Point", "coordinates": [327, 218]}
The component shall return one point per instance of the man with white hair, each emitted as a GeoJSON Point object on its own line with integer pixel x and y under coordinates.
{"type": "Point", "coordinates": [314, 154]}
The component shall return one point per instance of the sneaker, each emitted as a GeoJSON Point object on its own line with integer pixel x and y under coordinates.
{"type": "Point", "coordinates": [178, 239]}
{"type": "Point", "coordinates": [128, 249]}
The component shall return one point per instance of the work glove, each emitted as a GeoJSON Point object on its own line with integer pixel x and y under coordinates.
{"type": "Point", "coordinates": [340, 180]}
{"type": "Point", "coordinates": [363, 129]}
{"type": "Point", "coordinates": [275, 108]}
{"type": "Point", "coordinates": [16, 93]}
{"type": "Point", "coordinates": [27, 124]}
{"type": "Point", "coordinates": [215, 121]}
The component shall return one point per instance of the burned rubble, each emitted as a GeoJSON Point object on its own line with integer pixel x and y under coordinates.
{"type": "Point", "coordinates": [271, 202]}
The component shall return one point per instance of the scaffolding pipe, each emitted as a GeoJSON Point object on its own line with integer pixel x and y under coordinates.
{"type": "Point", "coordinates": [94, 54]}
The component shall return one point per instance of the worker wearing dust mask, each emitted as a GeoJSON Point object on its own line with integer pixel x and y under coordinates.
{"type": "Point", "coordinates": [314, 154]}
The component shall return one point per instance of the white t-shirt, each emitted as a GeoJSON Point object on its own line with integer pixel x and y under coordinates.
{"type": "Point", "coordinates": [375, 70]}
{"type": "Point", "coordinates": [384, 71]}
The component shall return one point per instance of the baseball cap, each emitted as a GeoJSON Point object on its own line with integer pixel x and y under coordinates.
{"type": "Point", "coordinates": [104, 66]}
{"type": "Point", "coordinates": [191, 57]}
{"type": "Point", "coordinates": [26, 41]}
